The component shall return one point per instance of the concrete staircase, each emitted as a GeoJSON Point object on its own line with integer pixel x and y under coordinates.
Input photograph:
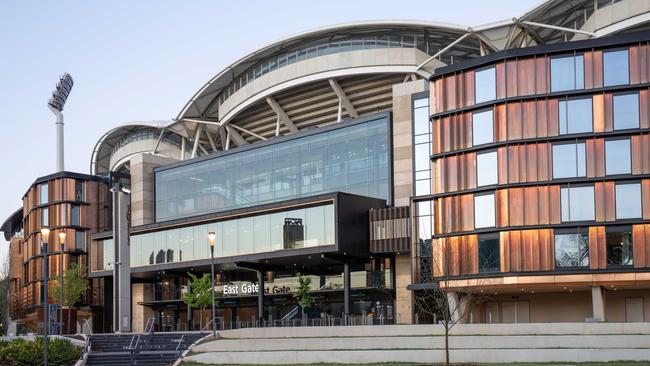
{"type": "Point", "coordinates": [158, 349]}
{"type": "Point", "coordinates": [488, 343]}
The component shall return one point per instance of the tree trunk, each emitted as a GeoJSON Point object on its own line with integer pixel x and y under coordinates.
{"type": "Point", "coordinates": [201, 319]}
{"type": "Point", "coordinates": [69, 320]}
{"type": "Point", "coordinates": [446, 345]}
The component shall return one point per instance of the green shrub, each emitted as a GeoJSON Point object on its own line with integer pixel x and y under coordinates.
{"type": "Point", "coordinates": [22, 352]}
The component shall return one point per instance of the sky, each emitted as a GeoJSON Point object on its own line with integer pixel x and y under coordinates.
{"type": "Point", "coordinates": [143, 60]}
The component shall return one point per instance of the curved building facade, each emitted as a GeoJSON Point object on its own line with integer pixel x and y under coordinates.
{"type": "Point", "coordinates": [541, 189]}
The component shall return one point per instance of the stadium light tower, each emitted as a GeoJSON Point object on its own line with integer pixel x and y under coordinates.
{"type": "Point", "coordinates": [56, 103]}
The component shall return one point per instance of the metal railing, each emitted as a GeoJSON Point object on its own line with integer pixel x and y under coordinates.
{"type": "Point", "coordinates": [134, 348]}
{"type": "Point", "coordinates": [217, 322]}
{"type": "Point", "coordinates": [323, 321]}
{"type": "Point", "coordinates": [148, 329]}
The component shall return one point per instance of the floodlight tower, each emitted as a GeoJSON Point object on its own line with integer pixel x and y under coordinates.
{"type": "Point", "coordinates": [56, 103]}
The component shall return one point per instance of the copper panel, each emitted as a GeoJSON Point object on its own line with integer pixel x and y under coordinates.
{"type": "Point", "coordinates": [532, 161]}
{"type": "Point", "coordinates": [541, 115]}
{"type": "Point", "coordinates": [597, 252]}
{"type": "Point", "coordinates": [599, 112]}
{"type": "Point", "coordinates": [635, 71]}
{"type": "Point", "coordinates": [501, 202]}
{"type": "Point", "coordinates": [514, 121]}
{"type": "Point", "coordinates": [645, 197]}
{"type": "Point", "coordinates": [554, 204]}
{"type": "Point", "coordinates": [529, 119]}
{"type": "Point", "coordinates": [589, 70]}
{"type": "Point", "coordinates": [640, 154]}
{"type": "Point", "coordinates": [543, 205]}
{"type": "Point", "coordinates": [500, 123]}
{"type": "Point", "coordinates": [511, 78]}
{"type": "Point", "coordinates": [516, 205]}
{"type": "Point", "coordinates": [468, 88]}
{"type": "Point", "coordinates": [531, 214]}
{"type": "Point", "coordinates": [608, 113]}
{"type": "Point", "coordinates": [541, 75]}
{"type": "Point", "coordinates": [598, 69]}
{"type": "Point", "coordinates": [641, 248]}
{"type": "Point", "coordinates": [553, 123]}
{"type": "Point", "coordinates": [543, 161]}
{"type": "Point", "coordinates": [605, 204]}
{"type": "Point", "coordinates": [502, 164]}
{"type": "Point", "coordinates": [501, 80]}
{"type": "Point", "coordinates": [595, 156]}
{"type": "Point", "coordinates": [526, 77]}
{"type": "Point", "coordinates": [644, 101]}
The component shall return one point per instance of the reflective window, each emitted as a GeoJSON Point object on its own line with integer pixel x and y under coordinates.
{"type": "Point", "coordinates": [42, 193]}
{"type": "Point", "coordinates": [618, 158]}
{"type": "Point", "coordinates": [299, 228]}
{"type": "Point", "coordinates": [626, 111]}
{"type": "Point", "coordinates": [484, 211]}
{"type": "Point", "coordinates": [353, 159]}
{"type": "Point", "coordinates": [575, 116]}
{"type": "Point", "coordinates": [615, 68]}
{"type": "Point", "coordinates": [489, 254]}
{"type": "Point", "coordinates": [485, 85]}
{"type": "Point", "coordinates": [569, 160]}
{"type": "Point", "coordinates": [80, 240]}
{"type": "Point", "coordinates": [79, 190]}
{"type": "Point", "coordinates": [482, 127]}
{"type": "Point", "coordinates": [486, 169]}
{"type": "Point", "coordinates": [572, 250]}
{"type": "Point", "coordinates": [74, 215]}
{"type": "Point", "coordinates": [567, 73]}
{"type": "Point", "coordinates": [45, 216]}
{"type": "Point", "coordinates": [618, 243]}
{"type": "Point", "coordinates": [422, 146]}
{"type": "Point", "coordinates": [628, 201]}
{"type": "Point", "coordinates": [577, 203]}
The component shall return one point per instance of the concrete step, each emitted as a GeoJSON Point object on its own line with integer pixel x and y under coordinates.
{"type": "Point", "coordinates": [424, 342]}
{"type": "Point", "coordinates": [495, 355]}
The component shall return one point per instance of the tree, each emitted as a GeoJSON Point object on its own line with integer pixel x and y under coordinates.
{"type": "Point", "coordinates": [199, 295]}
{"type": "Point", "coordinates": [438, 295]}
{"type": "Point", "coordinates": [75, 284]}
{"type": "Point", "coordinates": [303, 294]}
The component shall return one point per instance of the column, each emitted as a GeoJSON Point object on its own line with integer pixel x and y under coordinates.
{"type": "Point", "coordinates": [260, 296]}
{"type": "Point", "coordinates": [346, 288]}
{"type": "Point", "coordinates": [122, 264]}
{"type": "Point", "coordinates": [598, 303]}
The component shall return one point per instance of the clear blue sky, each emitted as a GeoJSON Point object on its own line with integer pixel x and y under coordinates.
{"type": "Point", "coordinates": [142, 60]}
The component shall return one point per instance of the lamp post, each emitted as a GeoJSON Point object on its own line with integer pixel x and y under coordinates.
{"type": "Point", "coordinates": [61, 246]}
{"type": "Point", "coordinates": [45, 234]}
{"type": "Point", "coordinates": [211, 237]}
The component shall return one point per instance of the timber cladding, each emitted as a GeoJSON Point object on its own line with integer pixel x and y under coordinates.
{"type": "Point", "coordinates": [390, 230]}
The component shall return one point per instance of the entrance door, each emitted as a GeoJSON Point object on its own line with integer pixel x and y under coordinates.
{"type": "Point", "coordinates": [633, 309]}
{"type": "Point", "coordinates": [515, 312]}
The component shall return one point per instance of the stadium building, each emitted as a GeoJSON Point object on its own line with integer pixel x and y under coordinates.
{"type": "Point", "coordinates": [360, 155]}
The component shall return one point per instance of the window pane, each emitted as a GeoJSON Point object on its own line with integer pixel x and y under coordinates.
{"type": "Point", "coordinates": [421, 121]}
{"type": "Point", "coordinates": [422, 157]}
{"type": "Point", "coordinates": [577, 203]}
{"type": "Point", "coordinates": [486, 87]}
{"type": "Point", "coordinates": [45, 217]}
{"type": "Point", "coordinates": [489, 257]}
{"type": "Point", "coordinates": [626, 111]}
{"type": "Point", "coordinates": [482, 128]}
{"type": "Point", "coordinates": [567, 73]}
{"type": "Point", "coordinates": [486, 168]}
{"type": "Point", "coordinates": [619, 248]}
{"type": "Point", "coordinates": [569, 160]}
{"type": "Point", "coordinates": [572, 250]}
{"type": "Point", "coordinates": [615, 68]}
{"type": "Point", "coordinates": [74, 215]}
{"type": "Point", "coordinates": [617, 157]}
{"type": "Point", "coordinates": [628, 201]}
{"type": "Point", "coordinates": [43, 193]}
{"type": "Point", "coordinates": [80, 240]}
{"type": "Point", "coordinates": [575, 116]}
{"type": "Point", "coordinates": [484, 211]}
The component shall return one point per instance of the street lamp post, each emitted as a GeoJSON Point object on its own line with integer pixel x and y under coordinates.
{"type": "Point", "coordinates": [45, 234]}
{"type": "Point", "coordinates": [62, 247]}
{"type": "Point", "coordinates": [211, 237]}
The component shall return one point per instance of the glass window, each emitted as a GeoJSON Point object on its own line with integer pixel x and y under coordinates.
{"type": "Point", "coordinates": [422, 157]}
{"type": "Point", "coordinates": [628, 201]}
{"type": "Point", "coordinates": [575, 116]}
{"type": "Point", "coordinates": [626, 111]}
{"type": "Point", "coordinates": [572, 250]}
{"type": "Point", "coordinates": [486, 168]}
{"type": "Point", "coordinates": [569, 160]}
{"type": "Point", "coordinates": [421, 124]}
{"type": "Point", "coordinates": [482, 127]}
{"type": "Point", "coordinates": [486, 85]}
{"type": "Point", "coordinates": [484, 211]}
{"type": "Point", "coordinates": [489, 254]}
{"type": "Point", "coordinates": [353, 158]}
{"type": "Point", "coordinates": [79, 190]}
{"type": "Point", "coordinates": [615, 67]}
{"type": "Point", "coordinates": [567, 73]}
{"type": "Point", "coordinates": [618, 158]}
{"type": "Point", "coordinates": [422, 148]}
{"type": "Point", "coordinates": [577, 203]}
{"type": "Point", "coordinates": [80, 240]}
{"type": "Point", "coordinates": [45, 216]}
{"type": "Point", "coordinates": [619, 247]}
{"type": "Point", "coordinates": [74, 215]}
{"type": "Point", "coordinates": [42, 193]}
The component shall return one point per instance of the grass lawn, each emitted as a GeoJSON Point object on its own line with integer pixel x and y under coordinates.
{"type": "Point", "coordinates": [621, 363]}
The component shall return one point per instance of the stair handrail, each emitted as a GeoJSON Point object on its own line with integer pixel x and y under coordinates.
{"type": "Point", "coordinates": [179, 349]}
{"type": "Point", "coordinates": [87, 324]}
{"type": "Point", "coordinates": [148, 329]}
{"type": "Point", "coordinates": [205, 327]}
{"type": "Point", "coordinates": [133, 348]}
{"type": "Point", "coordinates": [295, 309]}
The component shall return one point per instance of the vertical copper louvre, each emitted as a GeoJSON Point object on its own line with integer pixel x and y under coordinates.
{"type": "Point", "coordinates": [390, 230]}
